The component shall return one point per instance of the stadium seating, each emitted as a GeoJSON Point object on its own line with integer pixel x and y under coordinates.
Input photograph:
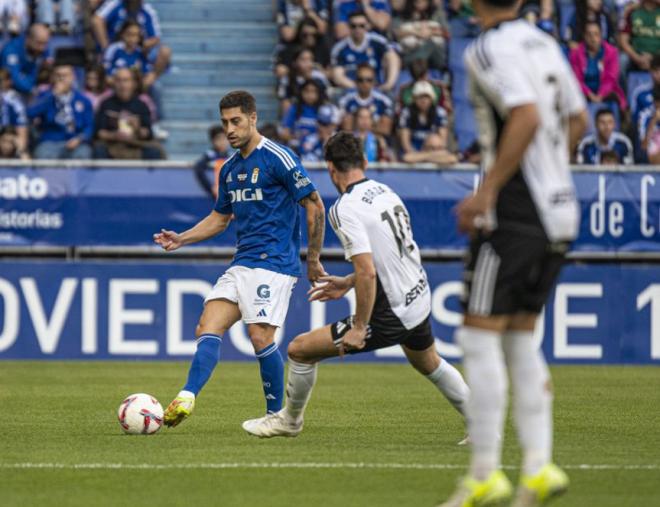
{"type": "Point", "coordinates": [218, 45]}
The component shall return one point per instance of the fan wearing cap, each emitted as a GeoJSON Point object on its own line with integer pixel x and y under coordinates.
{"type": "Point", "coordinates": [423, 128]}
{"type": "Point", "coordinates": [311, 146]}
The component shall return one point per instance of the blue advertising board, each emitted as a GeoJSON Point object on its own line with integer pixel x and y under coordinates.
{"type": "Point", "coordinates": [125, 206]}
{"type": "Point", "coordinates": [601, 314]}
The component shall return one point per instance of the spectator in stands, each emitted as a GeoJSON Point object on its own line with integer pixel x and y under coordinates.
{"type": "Point", "coordinates": [212, 161]}
{"type": "Point", "coordinates": [309, 38]}
{"type": "Point", "coordinates": [419, 71]}
{"type": "Point", "coordinates": [422, 31]}
{"type": "Point", "coordinates": [301, 71]}
{"type": "Point", "coordinates": [291, 13]}
{"type": "Point", "coordinates": [25, 55]}
{"type": "Point", "coordinates": [605, 139]}
{"type": "Point", "coordinates": [642, 96]}
{"type": "Point", "coordinates": [66, 19]}
{"type": "Point", "coordinates": [111, 16]}
{"type": "Point", "coordinates": [651, 139]}
{"type": "Point", "coordinates": [418, 122]}
{"type": "Point", "coordinates": [301, 117]}
{"type": "Point", "coordinates": [96, 87]}
{"type": "Point", "coordinates": [126, 52]}
{"type": "Point", "coordinates": [590, 11]}
{"type": "Point", "coordinates": [13, 117]}
{"type": "Point", "coordinates": [64, 119]}
{"type": "Point", "coordinates": [123, 122]}
{"type": "Point", "coordinates": [363, 46]}
{"type": "Point", "coordinates": [374, 145]}
{"type": "Point", "coordinates": [379, 104]}
{"type": "Point", "coordinates": [311, 146]}
{"type": "Point", "coordinates": [8, 143]}
{"type": "Point", "coordinates": [13, 16]}
{"type": "Point", "coordinates": [376, 12]}
{"type": "Point", "coordinates": [596, 66]}
{"type": "Point", "coordinates": [640, 33]}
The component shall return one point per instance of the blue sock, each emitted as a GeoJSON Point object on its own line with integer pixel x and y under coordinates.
{"type": "Point", "coordinates": [271, 366]}
{"type": "Point", "coordinates": [205, 360]}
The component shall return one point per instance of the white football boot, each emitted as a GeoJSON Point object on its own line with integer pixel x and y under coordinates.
{"type": "Point", "coordinates": [273, 425]}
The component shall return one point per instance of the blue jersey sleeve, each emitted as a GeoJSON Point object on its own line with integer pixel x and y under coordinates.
{"type": "Point", "coordinates": [223, 204]}
{"type": "Point", "coordinates": [151, 22]}
{"type": "Point", "coordinates": [289, 119]}
{"type": "Point", "coordinates": [293, 176]}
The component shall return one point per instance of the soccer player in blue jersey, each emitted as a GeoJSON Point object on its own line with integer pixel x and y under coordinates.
{"type": "Point", "coordinates": [260, 187]}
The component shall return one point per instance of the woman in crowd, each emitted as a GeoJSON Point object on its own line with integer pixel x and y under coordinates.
{"type": "Point", "coordinates": [302, 70]}
{"type": "Point", "coordinates": [596, 66]}
{"type": "Point", "coordinates": [300, 118]}
{"type": "Point", "coordinates": [375, 146]}
{"type": "Point", "coordinates": [422, 31]}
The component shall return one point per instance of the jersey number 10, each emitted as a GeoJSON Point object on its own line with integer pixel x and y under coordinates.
{"type": "Point", "coordinates": [400, 226]}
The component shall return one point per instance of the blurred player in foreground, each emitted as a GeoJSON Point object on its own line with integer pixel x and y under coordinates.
{"type": "Point", "coordinates": [391, 289]}
{"type": "Point", "coordinates": [531, 114]}
{"type": "Point", "coordinates": [260, 187]}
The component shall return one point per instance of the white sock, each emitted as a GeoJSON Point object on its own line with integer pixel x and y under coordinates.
{"type": "Point", "coordinates": [486, 376]}
{"type": "Point", "coordinates": [450, 383]}
{"type": "Point", "coordinates": [532, 394]}
{"type": "Point", "coordinates": [302, 377]}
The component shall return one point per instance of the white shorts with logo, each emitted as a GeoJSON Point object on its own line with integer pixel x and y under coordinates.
{"type": "Point", "coordinates": [262, 295]}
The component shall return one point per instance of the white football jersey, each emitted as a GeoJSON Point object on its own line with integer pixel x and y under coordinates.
{"type": "Point", "coordinates": [511, 65]}
{"type": "Point", "coordinates": [370, 218]}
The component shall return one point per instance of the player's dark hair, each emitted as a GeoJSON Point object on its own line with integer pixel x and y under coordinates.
{"type": "Point", "coordinates": [214, 131]}
{"type": "Point", "coordinates": [239, 98]}
{"type": "Point", "coordinates": [344, 150]}
{"type": "Point", "coordinates": [604, 111]}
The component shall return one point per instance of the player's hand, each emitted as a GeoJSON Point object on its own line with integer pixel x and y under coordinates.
{"type": "Point", "coordinates": [168, 240]}
{"type": "Point", "coordinates": [474, 211]}
{"type": "Point", "coordinates": [315, 270]}
{"type": "Point", "coordinates": [354, 339]}
{"type": "Point", "coordinates": [328, 287]}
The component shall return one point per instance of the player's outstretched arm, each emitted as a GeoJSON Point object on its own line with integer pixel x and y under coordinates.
{"type": "Point", "coordinates": [313, 205]}
{"type": "Point", "coordinates": [213, 224]}
{"type": "Point", "coordinates": [331, 287]}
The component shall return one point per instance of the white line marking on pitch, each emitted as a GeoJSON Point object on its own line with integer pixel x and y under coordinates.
{"type": "Point", "coordinates": [220, 466]}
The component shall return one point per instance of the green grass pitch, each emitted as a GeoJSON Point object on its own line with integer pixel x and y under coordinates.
{"type": "Point", "coordinates": [606, 418]}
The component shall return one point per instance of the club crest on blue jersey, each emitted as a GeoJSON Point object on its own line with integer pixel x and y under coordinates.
{"type": "Point", "coordinates": [255, 175]}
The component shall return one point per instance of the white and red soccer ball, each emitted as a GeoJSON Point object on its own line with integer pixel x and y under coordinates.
{"type": "Point", "coordinates": [140, 414]}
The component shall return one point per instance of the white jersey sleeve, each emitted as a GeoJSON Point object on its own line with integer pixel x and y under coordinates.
{"type": "Point", "coordinates": [350, 231]}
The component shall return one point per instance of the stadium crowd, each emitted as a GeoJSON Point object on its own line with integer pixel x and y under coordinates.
{"type": "Point", "coordinates": [78, 79]}
{"type": "Point", "coordinates": [380, 68]}
{"type": "Point", "coordinates": [383, 69]}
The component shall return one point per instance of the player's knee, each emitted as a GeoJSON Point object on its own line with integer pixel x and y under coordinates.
{"type": "Point", "coordinates": [260, 341]}
{"type": "Point", "coordinates": [296, 350]}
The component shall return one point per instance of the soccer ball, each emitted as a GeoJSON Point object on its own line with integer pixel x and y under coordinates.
{"type": "Point", "coordinates": [140, 414]}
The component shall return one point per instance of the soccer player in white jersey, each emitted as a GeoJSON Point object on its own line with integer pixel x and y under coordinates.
{"type": "Point", "coordinates": [531, 114]}
{"type": "Point", "coordinates": [393, 300]}
{"type": "Point", "coordinates": [260, 187]}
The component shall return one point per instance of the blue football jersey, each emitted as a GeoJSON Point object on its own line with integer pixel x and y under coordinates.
{"type": "Point", "coordinates": [262, 191]}
{"type": "Point", "coordinates": [116, 56]}
{"type": "Point", "coordinates": [372, 50]}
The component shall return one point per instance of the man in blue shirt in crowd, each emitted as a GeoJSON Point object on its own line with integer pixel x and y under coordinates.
{"type": "Point", "coordinates": [363, 46]}
{"type": "Point", "coordinates": [260, 187]}
{"type": "Point", "coordinates": [12, 113]}
{"type": "Point", "coordinates": [380, 105]}
{"type": "Point", "coordinates": [65, 119]}
{"type": "Point", "coordinates": [311, 146]}
{"type": "Point", "coordinates": [24, 56]}
{"type": "Point", "coordinates": [642, 96]}
{"type": "Point", "coordinates": [378, 14]}
{"type": "Point", "coordinates": [212, 160]}
{"type": "Point", "coordinates": [112, 15]}
{"type": "Point", "coordinates": [606, 139]}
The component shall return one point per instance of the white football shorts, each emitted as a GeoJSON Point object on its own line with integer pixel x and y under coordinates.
{"type": "Point", "coordinates": [262, 295]}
